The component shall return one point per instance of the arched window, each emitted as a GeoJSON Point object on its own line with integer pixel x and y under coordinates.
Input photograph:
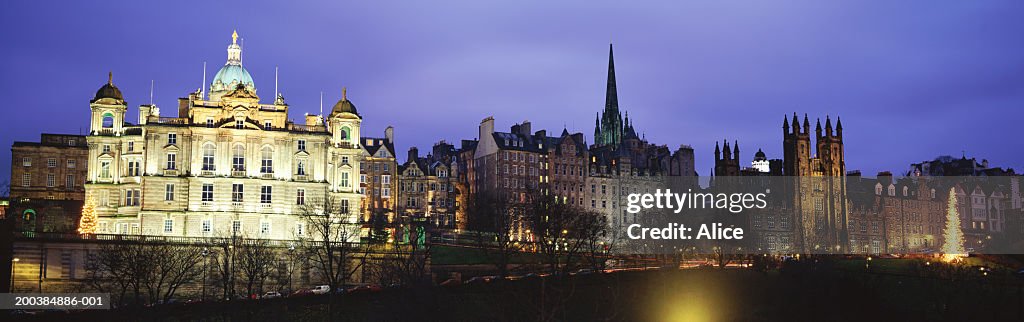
{"type": "Point", "coordinates": [29, 214]}
{"type": "Point", "coordinates": [905, 190]}
{"type": "Point", "coordinates": [267, 160]}
{"type": "Point", "coordinates": [209, 150]}
{"type": "Point", "coordinates": [878, 189]}
{"type": "Point", "coordinates": [108, 120]}
{"type": "Point", "coordinates": [892, 190]}
{"type": "Point", "coordinates": [238, 158]}
{"type": "Point", "coordinates": [344, 133]}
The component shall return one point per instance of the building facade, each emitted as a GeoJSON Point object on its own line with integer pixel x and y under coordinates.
{"type": "Point", "coordinates": [226, 165]}
{"type": "Point", "coordinates": [53, 168]}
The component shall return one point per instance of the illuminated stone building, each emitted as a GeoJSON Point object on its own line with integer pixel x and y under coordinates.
{"type": "Point", "coordinates": [429, 187]}
{"type": "Point", "coordinates": [228, 164]}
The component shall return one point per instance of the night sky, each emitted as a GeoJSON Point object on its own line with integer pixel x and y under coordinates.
{"type": "Point", "coordinates": [911, 79]}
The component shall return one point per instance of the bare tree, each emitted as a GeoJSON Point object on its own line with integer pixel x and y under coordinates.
{"type": "Point", "coordinates": [144, 271]}
{"type": "Point", "coordinates": [564, 231]}
{"type": "Point", "coordinates": [255, 264]}
{"type": "Point", "coordinates": [495, 222]}
{"type": "Point", "coordinates": [333, 245]}
{"type": "Point", "coordinates": [5, 189]}
{"type": "Point", "coordinates": [404, 264]}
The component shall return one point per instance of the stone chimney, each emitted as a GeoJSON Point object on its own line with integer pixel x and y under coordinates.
{"type": "Point", "coordinates": [414, 153]}
{"type": "Point", "coordinates": [389, 134]}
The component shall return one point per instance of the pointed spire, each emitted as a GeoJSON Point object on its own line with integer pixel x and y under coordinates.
{"type": "Point", "coordinates": [726, 153]}
{"type": "Point", "coordinates": [839, 127]}
{"type": "Point", "coordinates": [817, 128]}
{"type": "Point", "coordinates": [110, 78]}
{"type": "Point", "coordinates": [828, 126]}
{"type": "Point", "coordinates": [785, 124]}
{"type": "Point", "coordinates": [736, 149]}
{"type": "Point", "coordinates": [234, 37]}
{"type": "Point", "coordinates": [718, 152]}
{"type": "Point", "coordinates": [796, 124]}
{"type": "Point", "coordinates": [611, 99]}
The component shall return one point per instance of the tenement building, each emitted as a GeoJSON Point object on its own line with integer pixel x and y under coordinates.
{"type": "Point", "coordinates": [53, 168]}
{"type": "Point", "coordinates": [378, 174]}
{"type": "Point", "coordinates": [228, 164]}
{"type": "Point", "coordinates": [429, 188]}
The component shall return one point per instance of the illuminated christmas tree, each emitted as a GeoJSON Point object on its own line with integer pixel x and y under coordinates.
{"type": "Point", "coordinates": [87, 225]}
{"type": "Point", "coordinates": [953, 246]}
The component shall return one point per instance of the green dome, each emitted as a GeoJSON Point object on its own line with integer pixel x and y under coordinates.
{"type": "Point", "coordinates": [231, 75]}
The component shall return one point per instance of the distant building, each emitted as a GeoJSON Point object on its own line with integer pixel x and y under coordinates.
{"type": "Point", "coordinates": [429, 188]}
{"type": "Point", "coordinates": [53, 168]}
{"type": "Point", "coordinates": [378, 177]}
{"type": "Point", "coordinates": [949, 166]}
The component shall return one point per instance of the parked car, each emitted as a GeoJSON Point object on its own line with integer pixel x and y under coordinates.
{"type": "Point", "coordinates": [271, 295]}
{"type": "Point", "coordinates": [321, 289]}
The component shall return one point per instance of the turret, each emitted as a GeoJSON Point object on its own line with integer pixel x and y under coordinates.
{"type": "Point", "coordinates": [736, 150]}
{"type": "Point", "coordinates": [718, 152]}
{"type": "Point", "coordinates": [828, 126]}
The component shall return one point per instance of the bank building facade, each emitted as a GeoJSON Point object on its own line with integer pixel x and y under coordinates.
{"type": "Point", "coordinates": [227, 165]}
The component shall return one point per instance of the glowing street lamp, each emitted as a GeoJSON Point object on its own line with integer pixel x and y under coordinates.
{"type": "Point", "coordinates": [14, 260]}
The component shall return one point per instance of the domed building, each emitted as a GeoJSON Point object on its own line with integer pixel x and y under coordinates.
{"type": "Point", "coordinates": [232, 74]}
{"type": "Point", "coordinates": [229, 165]}
{"type": "Point", "coordinates": [760, 162]}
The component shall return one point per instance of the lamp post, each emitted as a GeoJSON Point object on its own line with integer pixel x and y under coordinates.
{"type": "Point", "coordinates": [205, 252]}
{"type": "Point", "coordinates": [13, 261]}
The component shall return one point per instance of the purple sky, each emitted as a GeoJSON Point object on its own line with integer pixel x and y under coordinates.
{"type": "Point", "coordinates": [910, 80]}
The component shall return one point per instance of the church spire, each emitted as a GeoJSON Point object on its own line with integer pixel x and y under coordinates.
{"type": "Point", "coordinates": [611, 98]}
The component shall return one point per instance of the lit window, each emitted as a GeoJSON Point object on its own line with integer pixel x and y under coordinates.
{"type": "Point", "coordinates": [26, 180]}
{"type": "Point", "coordinates": [50, 180]}
{"type": "Point", "coordinates": [238, 158]}
{"type": "Point", "coordinates": [51, 162]}
{"type": "Point", "coordinates": [209, 152]}
{"type": "Point", "coordinates": [267, 162]}
{"type": "Point", "coordinates": [72, 163]}
{"type": "Point", "coordinates": [26, 162]}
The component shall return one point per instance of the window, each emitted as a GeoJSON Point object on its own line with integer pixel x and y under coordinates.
{"type": "Point", "coordinates": [106, 148]}
{"type": "Point", "coordinates": [71, 142]}
{"type": "Point", "coordinates": [385, 179]}
{"type": "Point", "coordinates": [209, 150]}
{"type": "Point", "coordinates": [26, 180]}
{"type": "Point", "coordinates": [131, 146]}
{"type": "Point", "coordinates": [169, 192]}
{"type": "Point", "coordinates": [72, 163]}
{"type": "Point", "coordinates": [265, 227]}
{"type": "Point", "coordinates": [207, 195]}
{"type": "Point", "coordinates": [207, 226]}
{"type": "Point", "coordinates": [50, 180]}
{"type": "Point", "coordinates": [104, 169]}
{"type": "Point", "coordinates": [387, 167]}
{"type": "Point", "coordinates": [108, 120]}
{"type": "Point", "coordinates": [300, 229]}
{"type": "Point", "coordinates": [301, 168]}
{"type": "Point", "coordinates": [26, 162]}
{"type": "Point", "coordinates": [386, 192]}
{"type": "Point", "coordinates": [238, 158]}
{"type": "Point", "coordinates": [172, 138]}
{"type": "Point", "coordinates": [168, 225]}
{"type": "Point", "coordinates": [267, 163]}
{"type": "Point", "coordinates": [236, 226]}
{"type": "Point", "coordinates": [237, 192]}
{"type": "Point", "coordinates": [209, 122]}
{"type": "Point", "coordinates": [266, 193]}
{"type": "Point", "coordinates": [302, 145]}
{"type": "Point", "coordinates": [69, 182]}
{"type": "Point", "coordinates": [51, 162]}
{"type": "Point", "coordinates": [300, 197]}
{"type": "Point", "coordinates": [131, 197]}
{"type": "Point", "coordinates": [362, 178]}
{"type": "Point", "coordinates": [344, 160]}
{"type": "Point", "coordinates": [344, 206]}
{"type": "Point", "coordinates": [267, 124]}
{"type": "Point", "coordinates": [344, 179]}
{"type": "Point", "coordinates": [133, 168]}
{"type": "Point", "coordinates": [171, 164]}
{"type": "Point", "coordinates": [239, 124]}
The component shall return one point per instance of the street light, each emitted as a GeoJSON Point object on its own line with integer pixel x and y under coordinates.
{"type": "Point", "coordinates": [14, 260]}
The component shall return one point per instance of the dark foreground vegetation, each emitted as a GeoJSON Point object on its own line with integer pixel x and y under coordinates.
{"type": "Point", "coordinates": [818, 290]}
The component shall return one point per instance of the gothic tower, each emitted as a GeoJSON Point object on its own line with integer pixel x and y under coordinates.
{"type": "Point", "coordinates": [610, 127]}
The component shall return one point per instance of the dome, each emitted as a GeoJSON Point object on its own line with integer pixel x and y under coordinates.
{"type": "Point", "coordinates": [109, 90]}
{"type": "Point", "coordinates": [760, 156]}
{"type": "Point", "coordinates": [231, 75]}
{"type": "Point", "coordinates": [344, 105]}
